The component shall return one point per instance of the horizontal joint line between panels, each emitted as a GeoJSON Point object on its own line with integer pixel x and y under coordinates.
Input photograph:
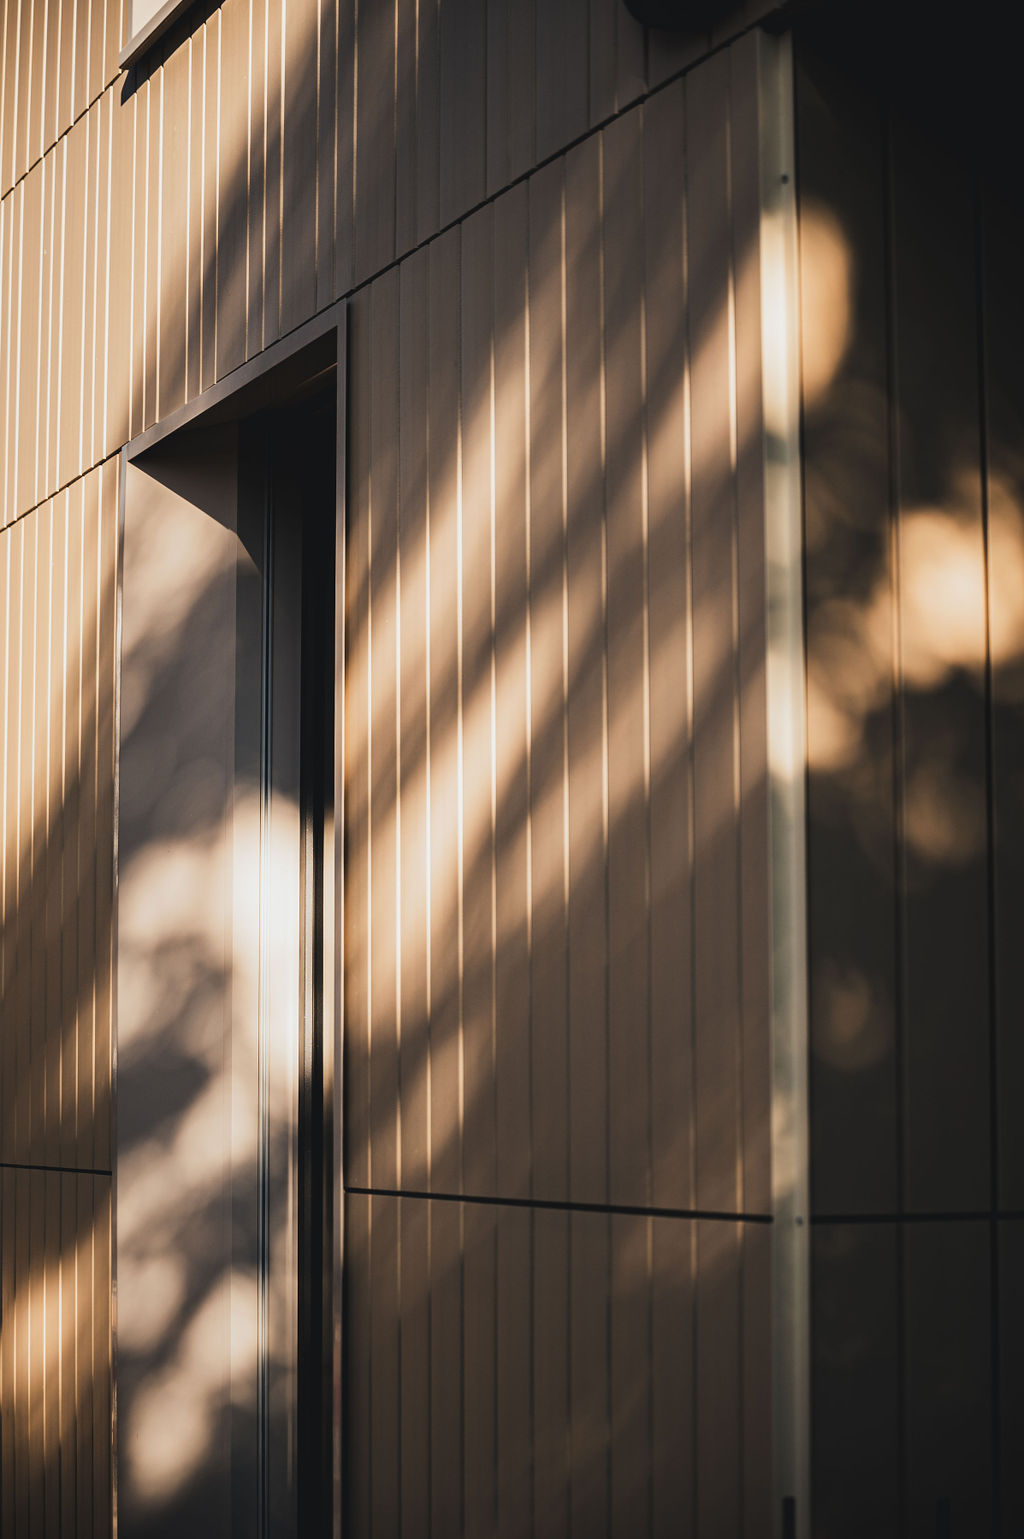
{"type": "Point", "coordinates": [550, 1205]}
{"type": "Point", "coordinates": [62, 135]}
{"type": "Point", "coordinates": [159, 428]}
{"type": "Point", "coordinates": [56, 1170]}
{"type": "Point", "coordinates": [65, 486]}
{"type": "Point", "coordinates": [983, 1216]}
{"type": "Point", "coordinates": [524, 176]}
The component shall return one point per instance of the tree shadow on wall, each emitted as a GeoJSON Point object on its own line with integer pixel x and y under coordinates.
{"type": "Point", "coordinates": [914, 492]}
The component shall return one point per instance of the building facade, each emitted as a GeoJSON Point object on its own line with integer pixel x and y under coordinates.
{"type": "Point", "coordinates": [511, 539]}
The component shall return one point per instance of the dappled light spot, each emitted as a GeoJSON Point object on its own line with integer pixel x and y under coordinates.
{"type": "Point", "coordinates": [953, 612]}
{"type": "Point", "coordinates": [942, 587]}
{"type": "Point", "coordinates": [1005, 573]}
{"type": "Point", "coordinates": [853, 1018]}
{"type": "Point", "coordinates": [848, 674]}
{"type": "Point", "coordinates": [826, 299]}
{"type": "Point", "coordinates": [176, 1408]}
{"type": "Point", "coordinates": [944, 814]}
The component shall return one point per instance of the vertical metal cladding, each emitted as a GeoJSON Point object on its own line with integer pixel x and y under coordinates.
{"type": "Point", "coordinates": [556, 795]}
{"type": "Point", "coordinates": [57, 581]}
{"type": "Point", "coordinates": [915, 521]}
{"type": "Point", "coordinates": [553, 695]}
{"type": "Point", "coordinates": [58, 578]}
{"type": "Point", "coordinates": [55, 1352]}
{"type": "Point", "coordinates": [247, 173]}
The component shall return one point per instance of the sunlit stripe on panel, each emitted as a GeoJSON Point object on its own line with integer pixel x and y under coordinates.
{"type": "Point", "coordinates": [55, 1466]}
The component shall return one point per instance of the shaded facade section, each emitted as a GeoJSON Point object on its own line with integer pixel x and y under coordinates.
{"type": "Point", "coordinates": [914, 559]}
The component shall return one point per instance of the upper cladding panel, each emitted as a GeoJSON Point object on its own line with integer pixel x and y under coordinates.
{"type": "Point", "coordinates": [56, 58]}
{"type": "Point", "coordinates": [915, 527]}
{"type": "Point", "coordinates": [556, 888]}
{"type": "Point", "coordinates": [263, 160]}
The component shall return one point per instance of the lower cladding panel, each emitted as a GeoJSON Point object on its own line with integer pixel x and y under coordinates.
{"type": "Point", "coordinates": [918, 1366]}
{"type": "Point", "coordinates": [524, 1371]}
{"type": "Point", "coordinates": [55, 1354]}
